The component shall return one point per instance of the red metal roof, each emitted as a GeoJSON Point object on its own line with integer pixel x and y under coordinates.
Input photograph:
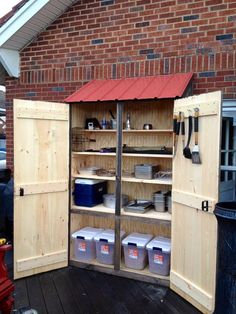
{"type": "Point", "coordinates": [151, 87]}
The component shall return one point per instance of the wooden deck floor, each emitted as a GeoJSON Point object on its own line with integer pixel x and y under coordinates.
{"type": "Point", "coordinates": [74, 291]}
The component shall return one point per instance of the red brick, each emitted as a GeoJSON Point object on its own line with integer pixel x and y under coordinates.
{"type": "Point", "coordinates": [67, 42]}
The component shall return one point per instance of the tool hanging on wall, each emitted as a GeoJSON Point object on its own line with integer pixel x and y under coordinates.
{"type": "Point", "coordinates": [174, 133]}
{"type": "Point", "coordinates": [177, 132]}
{"type": "Point", "coordinates": [183, 129]}
{"type": "Point", "coordinates": [187, 151]}
{"type": "Point", "coordinates": [196, 152]}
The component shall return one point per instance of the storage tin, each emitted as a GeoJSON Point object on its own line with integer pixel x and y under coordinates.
{"type": "Point", "coordinates": [145, 171]}
{"type": "Point", "coordinates": [109, 200]}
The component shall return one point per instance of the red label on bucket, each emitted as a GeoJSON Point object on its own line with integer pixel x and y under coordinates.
{"type": "Point", "coordinates": [133, 253]}
{"type": "Point", "coordinates": [158, 259]}
{"type": "Point", "coordinates": [82, 246]}
{"type": "Point", "coordinates": [105, 249]}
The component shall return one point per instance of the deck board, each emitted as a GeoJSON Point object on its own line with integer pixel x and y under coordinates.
{"type": "Point", "coordinates": [79, 291]}
{"type": "Point", "coordinates": [51, 298]}
{"type": "Point", "coordinates": [35, 295]}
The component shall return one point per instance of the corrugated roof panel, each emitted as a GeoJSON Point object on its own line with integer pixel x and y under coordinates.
{"type": "Point", "coordinates": [162, 86]}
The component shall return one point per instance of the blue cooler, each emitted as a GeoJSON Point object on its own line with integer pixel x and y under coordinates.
{"type": "Point", "coordinates": [89, 192]}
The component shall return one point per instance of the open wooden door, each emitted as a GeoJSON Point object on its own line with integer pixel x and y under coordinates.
{"type": "Point", "coordinates": [194, 230]}
{"type": "Point", "coordinates": [41, 176]}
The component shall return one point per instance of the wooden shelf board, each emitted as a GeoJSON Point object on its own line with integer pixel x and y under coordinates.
{"type": "Point", "coordinates": [124, 179]}
{"type": "Point", "coordinates": [144, 275]}
{"type": "Point", "coordinates": [124, 155]}
{"type": "Point", "coordinates": [94, 262]}
{"type": "Point", "coordinates": [144, 272]}
{"type": "Point", "coordinates": [102, 210]}
{"type": "Point", "coordinates": [132, 131]}
{"type": "Point", "coordinates": [151, 214]}
{"type": "Point", "coordinates": [95, 209]}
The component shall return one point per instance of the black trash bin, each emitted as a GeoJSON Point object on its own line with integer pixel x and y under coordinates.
{"type": "Point", "coordinates": [226, 258]}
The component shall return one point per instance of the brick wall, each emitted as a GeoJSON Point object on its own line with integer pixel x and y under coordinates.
{"type": "Point", "coordinates": [98, 39]}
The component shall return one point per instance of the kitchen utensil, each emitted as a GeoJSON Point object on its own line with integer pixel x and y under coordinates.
{"type": "Point", "coordinates": [195, 152]}
{"type": "Point", "coordinates": [96, 124]}
{"type": "Point", "coordinates": [109, 200]}
{"type": "Point", "coordinates": [147, 126]}
{"type": "Point", "coordinates": [174, 132]}
{"type": "Point", "coordinates": [128, 126]}
{"type": "Point", "coordinates": [187, 151]}
{"type": "Point", "coordinates": [113, 124]}
{"type": "Point", "coordinates": [183, 129]}
{"type": "Point", "coordinates": [145, 171]}
{"type": "Point", "coordinates": [112, 115]}
{"type": "Point", "coordinates": [138, 206]}
{"type": "Point", "coordinates": [88, 171]}
{"type": "Point", "coordinates": [159, 201]}
{"type": "Point", "coordinates": [177, 131]}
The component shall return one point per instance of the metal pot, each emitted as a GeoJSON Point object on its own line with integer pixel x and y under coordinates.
{"type": "Point", "coordinates": [147, 126]}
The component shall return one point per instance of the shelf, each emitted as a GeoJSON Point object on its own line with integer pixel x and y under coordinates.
{"type": "Point", "coordinates": [144, 272]}
{"type": "Point", "coordinates": [94, 262]}
{"type": "Point", "coordinates": [95, 209]}
{"type": "Point", "coordinates": [124, 155]}
{"type": "Point", "coordinates": [131, 131]}
{"type": "Point", "coordinates": [101, 210]}
{"type": "Point", "coordinates": [151, 214]}
{"type": "Point", "coordinates": [144, 275]}
{"type": "Point", "coordinates": [125, 179]}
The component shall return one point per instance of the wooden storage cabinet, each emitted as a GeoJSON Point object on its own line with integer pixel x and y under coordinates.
{"type": "Point", "coordinates": [159, 114]}
{"type": "Point", "coordinates": [41, 194]}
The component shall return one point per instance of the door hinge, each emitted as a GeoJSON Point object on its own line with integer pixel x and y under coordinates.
{"type": "Point", "coordinates": [22, 192]}
{"type": "Point", "coordinates": [205, 206]}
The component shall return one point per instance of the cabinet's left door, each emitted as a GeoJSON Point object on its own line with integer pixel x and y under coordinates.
{"type": "Point", "coordinates": [41, 179]}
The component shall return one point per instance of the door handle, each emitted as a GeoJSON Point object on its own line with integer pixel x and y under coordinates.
{"type": "Point", "coordinates": [22, 192]}
{"type": "Point", "coordinates": [205, 206]}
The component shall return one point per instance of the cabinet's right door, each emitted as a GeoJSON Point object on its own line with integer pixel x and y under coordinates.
{"type": "Point", "coordinates": [194, 230]}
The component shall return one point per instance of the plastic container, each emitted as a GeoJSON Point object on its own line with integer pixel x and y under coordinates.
{"type": "Point", "coordinates": [105, 246]}
{"type": "Point", "coordinates": [109, 200]}
{"type": "Point", "coordinates": [84, 244]}
{"type": "Point", "coordinates": [159, 255]}
{"type": "Point", "coordinates": [226, 262]}
{"type": "Point", "coordinates": [159, 201]}
{"type": "Point", "coordinates": [135, 252]}
{"type": "Point", "coordinates": [89, 192]}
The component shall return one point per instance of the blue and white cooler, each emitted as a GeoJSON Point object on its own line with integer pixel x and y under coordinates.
{"type": "Point", "coordinates": [88, 192]}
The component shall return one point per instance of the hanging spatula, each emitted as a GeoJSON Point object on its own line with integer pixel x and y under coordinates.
{"type": "Point", "coordinates": [187, 151]}
{"type": "Point", "coordinates": [195, 152]}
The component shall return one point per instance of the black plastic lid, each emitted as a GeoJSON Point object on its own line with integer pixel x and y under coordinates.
{"type": "Point", "coordinates": [226, 210]}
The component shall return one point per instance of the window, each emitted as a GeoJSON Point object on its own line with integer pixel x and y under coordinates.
{"type": "Point", "coordinates": [228, 151]}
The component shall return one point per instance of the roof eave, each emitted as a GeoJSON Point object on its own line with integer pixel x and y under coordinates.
{"type": "Point", "coordinates": [19, 19]}
{"type": "Point", "coordinates": [10, 59]}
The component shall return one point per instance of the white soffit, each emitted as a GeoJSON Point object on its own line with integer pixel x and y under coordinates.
{"type": "Point", "coordinates": [10, 59]}
{"type": "Point", "coordinates": [23, 27]}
